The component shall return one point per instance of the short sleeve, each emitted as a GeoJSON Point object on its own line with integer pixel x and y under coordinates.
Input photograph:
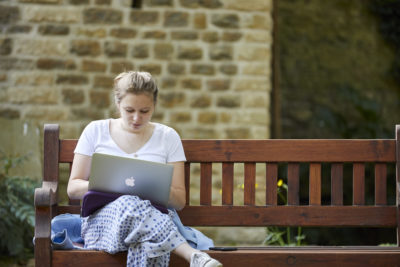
{"type": "Point", "coordinates": [174, 147]}
{"type": "Point", "coordinates": [86, 142]}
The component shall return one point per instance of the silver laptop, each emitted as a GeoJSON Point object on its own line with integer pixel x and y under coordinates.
{"type": "Point", "coordinates": [146, 179]}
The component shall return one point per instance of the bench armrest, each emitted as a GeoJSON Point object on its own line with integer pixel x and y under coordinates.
{"type": "Point", "coordinates": [46, 195]}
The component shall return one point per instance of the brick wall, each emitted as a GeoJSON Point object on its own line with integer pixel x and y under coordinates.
{"type": "Point", "coordinates": [211, 59]}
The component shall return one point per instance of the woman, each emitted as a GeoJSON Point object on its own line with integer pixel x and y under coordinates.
{"type": "Point", "coordinates": [129, 223]}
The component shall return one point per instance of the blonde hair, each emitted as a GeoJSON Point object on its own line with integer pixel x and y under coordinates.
{"type": "Point", "coordinates": [135, 82]}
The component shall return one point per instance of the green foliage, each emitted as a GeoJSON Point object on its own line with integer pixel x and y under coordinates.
{"type": "Point", "coordinates": [388, 12]}
{"type": "Point", "coordinates": [16, 210]}
{"type": "Point", "coordinates": [282, 236]}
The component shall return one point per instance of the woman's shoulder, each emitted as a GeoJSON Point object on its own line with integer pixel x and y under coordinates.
{"type": "Point", "coordinates": [97, 125]}
{"type": "Point", "coordinates": [164, 129]}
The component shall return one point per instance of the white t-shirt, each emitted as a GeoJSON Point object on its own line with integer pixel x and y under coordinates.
{"type": "Point", "coordinates": [164, 145]}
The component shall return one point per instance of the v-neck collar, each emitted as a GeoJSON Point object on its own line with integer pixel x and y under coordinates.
{"type": "Point", "coordinates": [140, 148]}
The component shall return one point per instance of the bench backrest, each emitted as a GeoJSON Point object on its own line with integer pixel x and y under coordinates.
{"type": "Point", "coordinates": [315, 154]}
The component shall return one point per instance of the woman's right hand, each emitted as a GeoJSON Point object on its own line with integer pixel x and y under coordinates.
{"type": "Point", "coordinates": [79, 179]}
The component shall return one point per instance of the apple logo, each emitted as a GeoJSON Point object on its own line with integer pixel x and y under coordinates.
{"type": "Point", "coordinates": [130, 181]}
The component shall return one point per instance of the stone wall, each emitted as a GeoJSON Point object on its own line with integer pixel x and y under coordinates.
{"type": "Point", "coordinates": [211, 59]}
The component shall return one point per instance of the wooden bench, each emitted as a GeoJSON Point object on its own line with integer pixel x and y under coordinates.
{"type": "Point", "coordinates": [251, 153]}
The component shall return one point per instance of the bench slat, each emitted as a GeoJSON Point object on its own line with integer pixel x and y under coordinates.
{"type": "Point", "coordinates": [227, 183]}
{"type": "Point", "coordinates": [380, 184]}
{"type": "Point", "coordinates": [250, 184]}
{"type": "Point", "coordinates": [187, 182]}
{"type": "Point", "coordinates": [325, 216]}
{"type": "Point", "coordinates": [271, 176]}
{"type": "Point", "coordinates": [358, 184]}
{"type": "Point", "coordinates": [315, 184]}
{"type": "Point", "coordinates": [205, 183]}
{"type": "Point", "coordinates": [307, 256]}
{"type": "Point", "coordinates": [275, 150]}
{"type": "Point", "coordinates": [337, 184]}
{"type": "Point", "coordinates": [293, 175]}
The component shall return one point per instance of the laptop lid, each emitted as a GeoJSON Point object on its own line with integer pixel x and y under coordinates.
{"type": "Point", "coordinates": [146, 179]}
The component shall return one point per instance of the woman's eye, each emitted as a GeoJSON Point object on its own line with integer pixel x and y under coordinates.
{"type": "Point", "coordinates": [144, 111]}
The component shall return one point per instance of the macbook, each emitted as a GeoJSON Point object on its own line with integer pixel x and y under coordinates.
{"type": "Point", "coordinates": [145, 179]}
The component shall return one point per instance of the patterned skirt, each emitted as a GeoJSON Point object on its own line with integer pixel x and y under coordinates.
{"type": "Point", "coordinates": [132, 224]}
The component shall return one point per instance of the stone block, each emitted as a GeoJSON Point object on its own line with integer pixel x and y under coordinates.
{"type": "Point", "coordinates": [207, 117]}
{"type": "Point", "coordinates": [181, 117]}
{"type": "Point", "coordinates": [92, 33]}
{"type": "Point", "coordinates": [103, 2]}
{"type": "Point", "coordinates": [3, 77]}
{"type": "Point", "coordinates": [121, 66]}
{"type": "Point", "coordinates": [201, 133]}
{"type": "Point", "coordinates": [93, 66]}
{"type": "Point", "coordinates": [9, 113]}
{"type": "Point", "coordinates": [254, 53]}
{"type": "Point", "coordinates": [85, 48]}
{"type": "Point", "coordinates": [167, 83]}
{"type": "Point", "coordinates": [140, 51]}
{"type": "Point", "coordinates": [199, 21]}
{"type": "Point", "coordinates": [229, 21]}
{"type": "Point", "coordinates": [218, 85]}
{"type": "Point", "coordinates": [103, 82]}
{"type": "Point", "coordinates": [159, 35]}
{"type": "Point", "coordinates": [40, 47]}
{"type": "Point", "coordinates": [33, 95]}
{"type": "Point", "coordinates": [100, 99]}
{"type": "Point", "coordinates": [51, 64]}
{"type": "Point", "coordinates": [11, 63]}
{"type": "Point", "coordinates": [41, 1]}
{"type": "Point", "coordinates": [115, 49]}
{"type": "Point", "coordinates": [201, 3]}
{"type": "Point", "coordinates": [176, 19]}
{"type": "Point", "coordinates": [143, 17]}
{"type": "Point", "coordinates": [210, 37]}
{"type": "Point", "coordinates": [124, 33]}
{"type": "Point", "coordinates": [223, 52]}
{"type": "Point", "coordinates": [259, 69]}
{"type": "Point", "coordinates": [79, 2]}
{"type": "Point", "coordinates": [164, 3]}
{"type": "Point", "coordinates": [34, 79]}
{"type": "Point", "coordinates": [102, 16]}
{"type": "Point", "coordinates": [48, 114]}
{"type": "Point", "coordinates": [252, 85]}
{"type": "Point", "coordinates": [201, 101]}
{"type": "Point", "coordinates": [231, 36]}
{"type": "Point", "coordinates": [53, 29]}
{"type": "Point", "coordinates": [176, 68]}
{"type": "Point", "coordinates": [172, 99]}
{"type": "Point", "coordinates": [237, 133]}
{"type": "Point", "coordinates": [9, 14]}
{"type": "Point", "coordinates": [72, 79]}
{"type": "Point", "coordinates": [19, 29]}
{"type": "Point", "coordinates": [229, 101]}
{"type": "Point", "coordinates": [163, 50]}
{"type": "Point", "coordinates": [65, 15]}
{"type": "Point", "coordinates": [225, 117]}
{"type": "Point", "coordinates": [191, 83]}
{"type": "Point", "coordinates": [73, 96]}
{"type": "Point", "coordinates": [255, 5]}
{"type": "Point", "coordinates": [203, 69]}
{"type": "Point", "coordinates": [190, 52]}
{"type": "Point", "coordinates": [228, 69]}
{"type": "Point", "coordinates": [88, 113]}
{"type": "Point", "coordinates": [5, 46]}
{"type": "Point", "coordinates": [262, 22]}
{"type": "Point", "coordinates": [256, 100]}
{"type": "Point", "coordinates": [154, 69]}
{"type": "Point", "coordinates": [184, 35]}
{"type": "Point", "coordinates": [259, 37]}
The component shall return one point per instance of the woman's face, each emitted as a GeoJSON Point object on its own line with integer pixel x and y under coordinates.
{"type": "Point", "coordinates": [136, 111]}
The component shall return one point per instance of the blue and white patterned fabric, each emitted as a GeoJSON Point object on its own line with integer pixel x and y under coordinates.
{"type": "Point", "coordinates": [132, 224]}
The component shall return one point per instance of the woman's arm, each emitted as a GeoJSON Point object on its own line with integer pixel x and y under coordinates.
{"type": "Point", "coordinates": [177, 196]}
{"type": "Point", "coordinates": [79, 179]}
